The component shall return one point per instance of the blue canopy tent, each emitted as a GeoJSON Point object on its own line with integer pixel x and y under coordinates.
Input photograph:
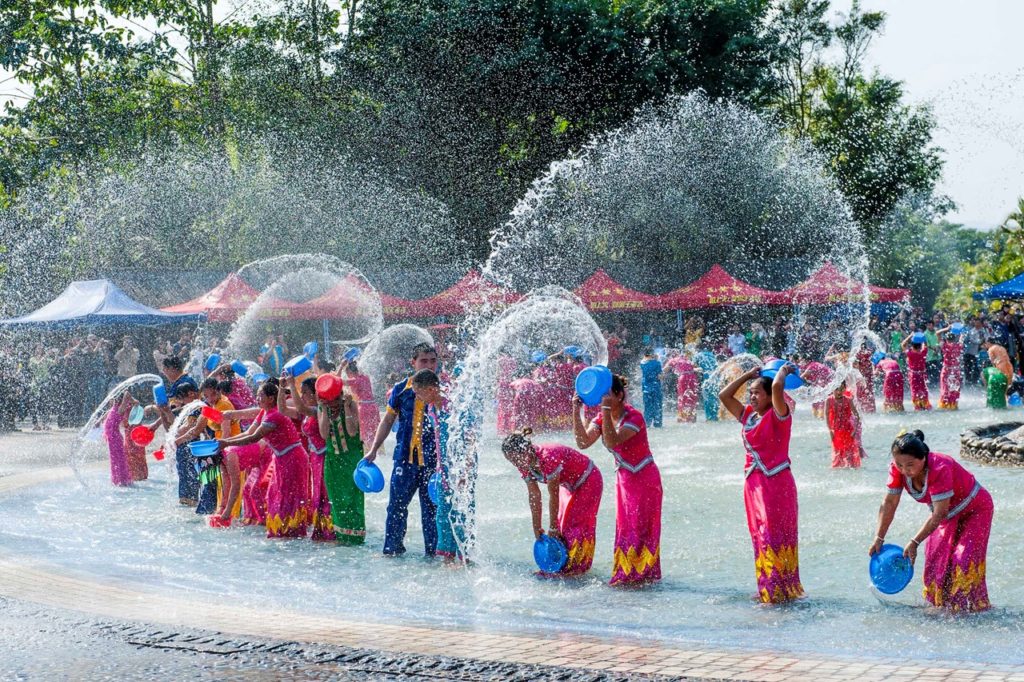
{"type": "Point", "coordinates": [96, 303]}
{"type": "Point", "coordinates": [1011, 288]}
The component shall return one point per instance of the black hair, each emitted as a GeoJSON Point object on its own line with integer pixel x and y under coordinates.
{"type": "Point", "coordinates": [917, 346]}
{"type": "Point", "coordinates": [765, 383]}
{"type": "Point", "coordinates": [269, 388]}
{"type": "Point", "coordinates": [911, 444]}
{"type": "Point", "coordinates": [518, 443]}
{"type": "Point", "coordinates": [352, 366]}
{"type": "Point", "coordinates": [210, 383]}
{"type": "Point", "coordinates": [228, 373]}
{"type": "Point", "coordinates": [225, 387]}
{"type": "Point", "coordinates": [619, 384]}
{"type": "Point", "coordinates": [426, 378]}
{"type": "Point", "coordinates": [421, 348]}
{"type": "Point", "coordinates": [173, 362]}
{"type": "Point", "coordinates": [309, 384]}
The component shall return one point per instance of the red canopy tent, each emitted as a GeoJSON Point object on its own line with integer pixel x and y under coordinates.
{"type": "Point", "coordinates": [717, 288]}
{"type": "Point", "coordinates": [227, 301]}
{"type": "Point", "coordinates": [601, 293]}
{"type": "Point", "coordinates": [828, 285]}
{"type": "Point", "coordinates": [342, 301]}
{"type": "Point", "coordinates": [472, 291]}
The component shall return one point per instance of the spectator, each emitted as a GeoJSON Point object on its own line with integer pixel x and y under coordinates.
{"type": "Point", "coordinates": [736, 341]}
{"type": "Point", "coordinates": [974, 334]}
{"type": "Point", "coordinates": [127, 358]}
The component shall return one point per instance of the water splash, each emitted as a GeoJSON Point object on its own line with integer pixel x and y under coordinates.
{"type": "Point", "coordinates": [386, 357]}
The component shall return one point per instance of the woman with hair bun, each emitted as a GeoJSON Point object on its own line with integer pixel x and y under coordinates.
{"type": "Point", "coordinates": [957, 530]}
{"type": "Point", "coordinates": [574, 494]}
{"type": "Point", "coordinates": [769, 490]}
{"type": "Point", "coordinates": [638, 491]}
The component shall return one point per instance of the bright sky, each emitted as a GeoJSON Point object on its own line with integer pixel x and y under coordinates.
{"type": "Point", "coordinates": [967, 61]}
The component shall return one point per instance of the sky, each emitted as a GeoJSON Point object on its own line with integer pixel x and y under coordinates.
{"type": "Point", "coordinates": [966, 61]}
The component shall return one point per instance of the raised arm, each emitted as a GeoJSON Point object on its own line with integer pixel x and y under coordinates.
{"type": "Point", "coordinates": [586, 434]}
{"type": "Point", "coordinates": [779, 391]}
{"type": "Point", "coordinates": [728, 394]}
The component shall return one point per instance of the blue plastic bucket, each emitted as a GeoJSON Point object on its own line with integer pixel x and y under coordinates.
{"type": "Point", "coordinates": [550, 554]}
{"type": "Point", "coordinates": [890, 571]}
{"type": "Point", "coordinates": [203, 448]}
{"type": "Point", "coordinates": [351, 354]}
{"type": "Point", "coordinates": [160, 395]}
{"type": "Point", "coordinates": [298, 366]}
{"type": "Point", "coordinates": [310, 349]}
{"type": "Point", "coordinates": [877, 357]}
{"type": "Point", "coordinates": [212, 362]}
{"type": "Point", "coordinates": [368, 477]}
{"type": "Point", "coordinates": [136, 416]}
{"type": "Point", "coordinates": [919, 337]}
{"type": "Point", "coordinates": [538, 356]}
{"type": "Point", "coordinates": [240, 369]}
{"type": "Point", "coordinates": [573, 351]}
{"type": "Point", "coordinates": [593, 383]}
{"type": "Point", "coordinates": [793, 379]}
{"type": "Point", "coordinates": [434, 486]}
{"type": "Point", "coordinates": [260, 378]}
{"type": "Point", "coordinates": [957, 328]}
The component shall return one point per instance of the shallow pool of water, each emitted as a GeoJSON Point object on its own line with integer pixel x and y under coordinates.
{"type": "Point", "coordinates": [140, 536]}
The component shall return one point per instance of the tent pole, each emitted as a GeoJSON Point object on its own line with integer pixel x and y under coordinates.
{"type": "Point", "coordinates": [327, 340]}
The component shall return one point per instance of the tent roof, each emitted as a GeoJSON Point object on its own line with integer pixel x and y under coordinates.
{"type": "Point", "coordinates": [97, 302]}
{"type": "Point", "coordinates": [601, 293]}
{"type": "Point", "coordinates": [1011, 288]}
{"type": "Point", "coordinates": [830, 285]}
{"type": "Point", "coordinates": [342, 302]}
{"type": "Point", "coordinates": [224, 303]}
{"type": "Point", "coordinates": [472, 291]}
{"type": "Point", "coordinates": [717, 288]}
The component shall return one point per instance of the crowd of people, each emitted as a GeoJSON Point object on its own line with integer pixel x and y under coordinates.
{"type": "Point", "coordinates": [288, 443]}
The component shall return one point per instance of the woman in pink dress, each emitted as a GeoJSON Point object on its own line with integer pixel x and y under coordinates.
{"type": "Point", "coordinates": [917, 369]}
{"type": "Point", "coordinates": [819, 375]}
{"type": "Point", "coordinates": [638, 492]}
{"type": "Point", "coordinates": [769, 490]}
{"type": "Point", "coordinates": [951, 376]}
{"type": "Point", "coordinates": [866, 383]}
{"type": "Point", "coordinates": [120, 475]}
{"type": "Point", "coordinates": [957, 529]}
{"type": "Point", "coordinates": [844, 428]}
{"type": "Point", "coordinates": [305, 409]}
{"type": "Point", "coordinates": [288, 492]}
{"type": "Point", "coordinates": [574, 495]}
{"type": "Point", "coordinates": [369, 414]}
{"type": "Point", "coordinates": [687, 388]}
{"type": "Point", "coordinates": [892, 384]}
{"type": "Point", "coordinates": [505, 394]}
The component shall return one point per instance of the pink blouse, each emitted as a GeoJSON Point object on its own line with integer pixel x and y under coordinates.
{"type": "Point", "coordinates": [311, 429]}
{"type": "Point", "coordinates": [283, 437]}
{"type": "Point", "coordinates": [571, 466]}
{"type": "Point", "coordinates": [916, 360]}
{"type": "Point", "coordinates": [945, 479]}
{"type": "Point", "coordinates": [634, 454]}
{"type": "Point", "coordinates": [766, 440]}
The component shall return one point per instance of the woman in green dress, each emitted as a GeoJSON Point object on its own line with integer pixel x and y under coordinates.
{"type": "Point", "coordinates": [339, 427]}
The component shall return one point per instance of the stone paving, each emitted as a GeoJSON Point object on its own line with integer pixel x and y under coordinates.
{"type": "Point", "coordinates": [40, 583]}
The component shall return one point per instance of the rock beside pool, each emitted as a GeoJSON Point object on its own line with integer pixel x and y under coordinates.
{"type": "Point", "coordinates": [1001, 443]}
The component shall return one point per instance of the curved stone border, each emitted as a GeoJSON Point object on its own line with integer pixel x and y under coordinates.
{"type": "Point", "coordinates": [34, 581]}
{"type": "Point", "coordinates": [984, 444]}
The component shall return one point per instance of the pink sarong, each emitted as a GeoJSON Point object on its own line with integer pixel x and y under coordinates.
{"type": "Point", "coordinates": [120, 475]}
{"type": "Point", "coordinates": [865, 382]}
{"type": "Point", "coordinates": [320, 503]}
{"type": "Point", "coordinates": [638, 496]}
{"type": "Point", "coordinates": [951, 377]}
{"type": "Point", "coordinates": [687, 389]}
{"type": "Point", "coordinates": [526, 405]}
{"type": "Point", "coordinates": [288, 492]}
{"type": "Point", "coordinates": [770, 497]}
{"type": "Point", "coordinates": [892, 385]}
{"type": "Point", "coordinates": [917, 369]}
